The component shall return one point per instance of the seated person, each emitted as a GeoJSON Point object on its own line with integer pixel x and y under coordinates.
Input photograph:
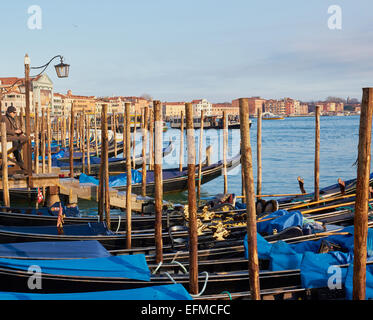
{"type": "Point", "coordinates": [14, 134]}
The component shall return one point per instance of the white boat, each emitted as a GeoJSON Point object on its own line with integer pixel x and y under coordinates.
{"type": "Point", "coordinates": [271, 116]}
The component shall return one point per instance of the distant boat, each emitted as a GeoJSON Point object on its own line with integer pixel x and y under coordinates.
{"type": "Point", "coordinates": [271, 116]}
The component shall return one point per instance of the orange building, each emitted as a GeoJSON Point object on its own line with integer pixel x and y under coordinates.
{"type": "Point", "coordinates": [219, 108]}
{"type": "Point", "coordinates": [254, 103]}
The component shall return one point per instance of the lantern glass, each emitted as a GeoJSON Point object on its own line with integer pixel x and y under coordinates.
{"type": "Point", "coordinates": [62, 70]}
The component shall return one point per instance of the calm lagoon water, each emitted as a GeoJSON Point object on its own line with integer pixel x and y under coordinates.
{"type": "Point", "coordinates": [287, 152]}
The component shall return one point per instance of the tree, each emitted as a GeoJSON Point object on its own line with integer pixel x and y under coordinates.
{"type": "Point", "coordinates": [147, 96]}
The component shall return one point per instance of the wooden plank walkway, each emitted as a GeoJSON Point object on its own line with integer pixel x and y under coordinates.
{"type": "Point", "coordinates": [89, 191]}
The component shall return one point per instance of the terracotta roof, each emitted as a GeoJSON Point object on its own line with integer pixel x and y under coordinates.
{"type": "Point", "coordinates": [174, 103]}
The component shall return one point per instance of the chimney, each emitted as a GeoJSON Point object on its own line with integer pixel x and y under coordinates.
{"type": "Point", "coordinates": [69, 93]}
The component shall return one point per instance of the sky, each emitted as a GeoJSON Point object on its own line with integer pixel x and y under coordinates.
{"type": "Point", "coordinates": [184, 50]}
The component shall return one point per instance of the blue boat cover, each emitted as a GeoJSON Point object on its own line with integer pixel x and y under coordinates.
{"type": "Point", "coordinates": [284, 256]}
{"type": "Point", "coordinates": [56, 249]}
{"type": "Point", "coordinates": [165, 292]}
{"type": "Point", "coordinates": [89, 229]}
{"type": "Point", "coordinates": [125, 266]}
{"type": "Point", "coordinates": [114, 181]}
{"type": "Point", "coordinates": [317, 270]}
{"type": "Point", "coordinates": [281, 219]}
{"type": "Point", "coordinates": [369, 282]}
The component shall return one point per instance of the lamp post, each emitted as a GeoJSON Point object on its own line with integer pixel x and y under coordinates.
{"type": "Point", "coordinates": [62, 71]}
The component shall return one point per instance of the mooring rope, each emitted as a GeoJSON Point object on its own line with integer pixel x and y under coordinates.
{"type": "Point", "coordinates": [204, 286]}
{"type": "Point", "coordinates": [169, 276]}
{"type": "Point", "coordinates": [156, 269]}
{"type": "Point", "coordinates": [118, 223]}
{"type": "Point", "coordinates": [181, 266]}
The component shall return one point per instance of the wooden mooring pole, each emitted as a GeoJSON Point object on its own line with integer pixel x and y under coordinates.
{"type": "Point", "coordinates": [144, 143]}
{"type": "Point", "coordinates": [4, 165]}
{"type": "Point", "coordinates": [200, 158]}
{"type": "Point", "coordinates": [181, 156]}
{"type": "Point", "coordinates": [134, 142]}
{"type": "Point", "coordinates": [317, 154]}
{"type": "Point", "coordinates": [247, 167]}
{"type": "Point", "coordinates": [105, 165]}
{"type": "Point", "coordinates": [158, 179]}
{"type": "Point", "coordinates": [259, 153]}
{"type": "Point", "coordinates": [151, 140]}
{"type": "Point", "coordinates": [362, 196]}
{"type": "Point", "coordinates": [36, 139]}
{"type": "Point", "coordinates": [71, 142]}
{"type": "Point", "coordinates": [225, 147]}
{"type": "Point", "coordinates": [49, 140]}
{"type": "Point", "coordinates": [192, 205]}
{"type": "Point", "coordinates": [127, 128]}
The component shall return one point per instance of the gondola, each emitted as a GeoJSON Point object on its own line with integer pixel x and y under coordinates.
{"type": "Point", "coordinates": [115, 164]}
{"type": "Point", "coordinates": [175, 180]}
{"type": "Point", "coordinates": [210, 282]}
{"type": "Point", "coordinates": [164, 292]}
{"type": "Point", "coordinates": [44, 217]}
{"type": "Point", "coordinates": [326, 192]}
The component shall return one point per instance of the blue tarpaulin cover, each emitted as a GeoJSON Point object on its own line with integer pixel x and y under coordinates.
{"type": "Point", "coordinates": [369, 282]}
{"type": "Point", "coordinates": [88, 229]}
{"type": "Point", "coordinates": [165, 292]}
{"type": "Point", "coordinates": [125, 266]}
{"type": "Point", "coordinates": [317, 270]}
{"type": "Point", "coordinates": [54, 249]}
{"type": "Point", "coordinates": [114, 181]}
{"type": "Point", "coordinates": [282, 219]}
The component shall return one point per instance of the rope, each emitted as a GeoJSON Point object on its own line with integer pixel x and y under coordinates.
{"type": "Point", "coordinates": [228, 293]}
{"type": "Point", "coordinates": [169, 276]}
{"type": "Point", "coordinates": [175, 256]}
{"type": "Point", "coordinates": [181, 266]}
{"type": "Point", "coordinates": [156, 269]}
{"type": "Point", "coordinates": [118, 224]}
{"type": "Point", "coordinates": [204, 286]}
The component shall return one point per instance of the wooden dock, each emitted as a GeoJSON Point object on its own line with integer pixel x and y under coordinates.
{"type": "Point", "coordinates": [89, 191]}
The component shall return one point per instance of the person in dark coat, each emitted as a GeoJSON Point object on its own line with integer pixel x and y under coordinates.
{"type": "Point", "coordinates": [14, 133]}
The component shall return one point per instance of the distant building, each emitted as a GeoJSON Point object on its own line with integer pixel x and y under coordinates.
{"type": "Point", "coordinates": [173, 109]}
{"type": "Point", "coordinates": [41, 92]}
{"type": "Point", "coordinates": [219, 108]}
{"type": "Point", "coordinates": [86, 104]}
{"type": "Point", "coordinates": [201, 104]}
{"type": "Point", "coordinates": [277, 107]}
{"type": "Point", "coordinates": [254, 104]}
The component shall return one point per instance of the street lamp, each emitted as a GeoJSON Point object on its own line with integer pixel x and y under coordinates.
{"type": "Point", "coordinates": [62, 71]}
